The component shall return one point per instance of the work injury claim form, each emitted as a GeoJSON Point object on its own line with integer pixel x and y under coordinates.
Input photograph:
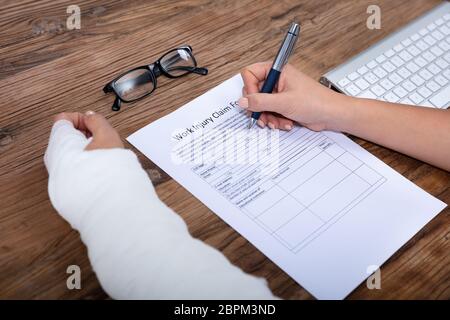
{"type": "Point", "coordinates": [317, 204]}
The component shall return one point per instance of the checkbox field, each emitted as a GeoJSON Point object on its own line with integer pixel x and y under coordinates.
{"type": "Point", "coordinates": [263, 197]}
{"type": "Point", "coordinates": [350, 161]}
{"type": "Point", "coordinates": [299, 228]}
{"type": "Point", "coordinates": [334, 150]}
{"type": "Point", "coordinates": [307, 170]}
{"type": "Point", "coordinates": [279, 214]}
{"type": "Point", "coordinates": [319, 184]}
{"type": "Point", "coordinates": [339, 197]}
{"type": "Point", "coordinates": [368, 174]}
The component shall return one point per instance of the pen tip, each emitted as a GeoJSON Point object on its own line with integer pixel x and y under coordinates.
{"type": "Point", "coordinates": [251, 123]}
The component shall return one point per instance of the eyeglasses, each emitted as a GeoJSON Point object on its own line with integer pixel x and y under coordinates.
{"type": "Point", "coordinates": [141, 81]}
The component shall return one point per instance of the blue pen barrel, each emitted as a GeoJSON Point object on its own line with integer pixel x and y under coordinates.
{"type": "Point", "coordinates": [268, 87]}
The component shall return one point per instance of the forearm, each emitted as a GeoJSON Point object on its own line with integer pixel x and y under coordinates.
{"type": "Point", "coordinates": [420, 132]}
{"type": "Point", "coordinates": [138, 247]}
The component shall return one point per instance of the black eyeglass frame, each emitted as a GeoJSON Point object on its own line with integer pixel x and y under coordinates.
{"type": "Point", "coordinates": [155, 70]}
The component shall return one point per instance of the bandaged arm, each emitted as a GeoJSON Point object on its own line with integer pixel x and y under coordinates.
{"type": "Point", "coordinates": [138, 247]}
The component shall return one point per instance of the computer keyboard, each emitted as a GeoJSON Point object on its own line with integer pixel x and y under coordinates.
{"type": "Point", "coordinates": [414, 69]}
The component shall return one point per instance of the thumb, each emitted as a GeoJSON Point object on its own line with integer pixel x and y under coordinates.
{"type": "Point", "coordinates": [260, 102]}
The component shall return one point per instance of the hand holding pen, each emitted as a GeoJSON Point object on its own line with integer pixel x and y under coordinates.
{"type": "Point", "coordinates": [280, 61]}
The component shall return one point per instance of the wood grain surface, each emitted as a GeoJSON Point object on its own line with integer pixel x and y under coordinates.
{"type": "Point", "coordinates": [46, 69]}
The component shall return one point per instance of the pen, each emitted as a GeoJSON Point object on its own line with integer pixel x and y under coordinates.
{"type": "Point", "coordinates": [286, 49]}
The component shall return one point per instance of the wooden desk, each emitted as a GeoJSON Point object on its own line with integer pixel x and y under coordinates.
{"type": "Point", "coordinates": [46, 69]}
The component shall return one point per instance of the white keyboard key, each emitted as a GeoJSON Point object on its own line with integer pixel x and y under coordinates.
{"type": "Point", "coordinates": [405, 55]}
{"type": "Point", "coordinates": [447, 56]}
{"type": "Point", "coordinates": [389, 53]}
{"type": "Point", "coordinates": [397, 61]}
{"type": "Point", "coordinates": [362, 70]}
{"type": "Point", "coordinates": [427, 103]}
{"type": "Point", "coordinates": [434, 68]}
{"type": "Point", "coordinates": [446, 73]}
{"type": "Point", "coordinates": [415, 37]}
{"type": "Point", "coordinates": [381, 58]}
{"type": "Point", "coordinates": [395, 78]}
{"type": "Point", "coordinates": [437, 35]}
{"type": "Point", "coordinates": [367, 95]}
{"type": "Point", "coordinates": [430, 40]}
{"type": "Point", "coordinates": [433, 86]}
{"type": "Point", "coordinates": [343, 82]}
{"type": "Point", "coordinates": [421, 62]}
{"type": "Point", "coordinates": [414, 50]}
{"type": "Point", "coordinates": [412, 67]}
{"type": "Point", "coordinates": [424, 92]}
{"type": "Point", "coordinates": [422, 45]}
{"type": "Point", "coordinates": [436, 51]}
{"type": "Point", "coordinates": [353, 76]}
{"type": "Point", "coordinates": [441, 80]}
{"type": "Point", "coordinates": [445, 30]}
{"type": "Point", "coordinates": [407, 101]}
{"type": "Point", "coordinates": [389, 67]}
{"type": "Point", "coordinates": [407, 42]}
{"type": "Point", "coordinates": [378, 90]}
{"type": "Point", "coordinates": [372, 64]}
{"type": "Point", "coordinates": [428, 56]}
{"type": "Point", "coordinates": [404, 72]}
{"type": "Point", "coordinates": [423, 31]}
{"type": "Point", "coordinates": [387, 84]}
{"type": "Point", "coordinates": [444, 45]}
{"type": "Point", "coordinates": [408, 85]}
{"type": "Point", "coordinates": [442, 99]}
{"type": "Point", "coordinates": [391, 97]}
{"type": "Point", "coordinates": [431, 26]}
{"type": "Point", "coordinates": [417, 80]}
{"type": "Point", "coordinates": [439, 21]}
{"type": "Point", "coordinates": [380, 73]}
{"type": "Point", "coordinates": [424, 73]}
{"type": "Point", "coordinates": [362, 84]}
{"type": "Point", "coordinates": [371, 78]}
{"type": "Point", "coordinates": [416, 98]}
{"type": "Point", "coordinates": [400, 92]}
{"type": "Point", "coordinates": [441, 63]}
{"type": "Point", "coordinates": [447, 16]}
{"type": "Point", "coordinates": [398, 47]}
{"type": "Point", "coordinates": [352, 90]}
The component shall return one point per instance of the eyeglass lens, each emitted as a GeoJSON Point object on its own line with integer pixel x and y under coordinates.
{"type": "Point", "coordinates": [135, 84]}
{"type": "Point", "coordinates": [178, 62]}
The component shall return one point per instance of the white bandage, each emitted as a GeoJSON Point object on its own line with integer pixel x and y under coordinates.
{"type": "Point", "coordinates": [138, 247]}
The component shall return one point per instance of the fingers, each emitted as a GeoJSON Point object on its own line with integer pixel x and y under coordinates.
{"type": "Point", "coordinates": [260, 102]}
{"type": "Point", "coordinates": [104, 135]}
{"type": "Point", "coordinates": [96, 123]}
{"type": "Point", "coordinates": [274, 121]}
{"type": "Point", "coordinates": [285, 124]}
{"type": "Point", "coordinates": [75, 117]}
{"type": "Point", "coordinates": [255, 74]}
{"type": "Point", "coordinates": [262, 121]}
{"type": "Point", "coordinates": [253, 77]}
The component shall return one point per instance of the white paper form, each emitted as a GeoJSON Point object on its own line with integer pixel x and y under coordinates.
{"type": "Point", "coordinates": [326, 213]}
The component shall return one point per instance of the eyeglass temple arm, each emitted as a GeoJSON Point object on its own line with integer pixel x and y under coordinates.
{"type": "Point", "coordinates": [117, 104]}
{"type": "Point", "coordinates": [200, 70]}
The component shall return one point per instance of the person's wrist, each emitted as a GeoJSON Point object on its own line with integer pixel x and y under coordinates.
{"type": "Point", "coordinates": [339, 110]}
